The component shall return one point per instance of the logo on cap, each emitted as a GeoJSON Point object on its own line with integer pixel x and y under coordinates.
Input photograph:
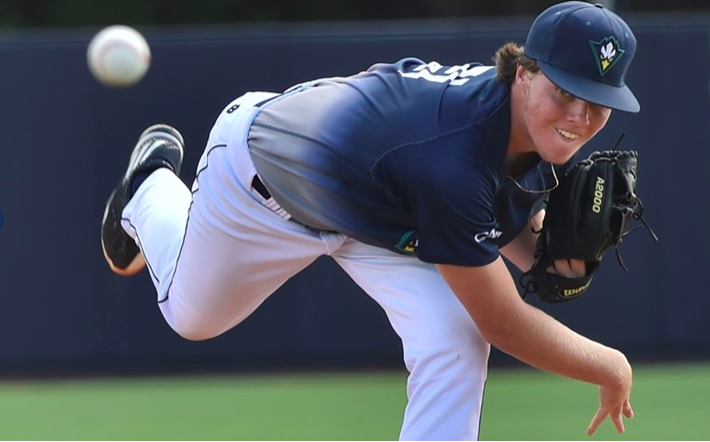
{"type": "Point", "coordinates": [606, 52]}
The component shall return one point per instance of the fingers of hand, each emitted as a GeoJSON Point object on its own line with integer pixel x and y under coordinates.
{"type": "Point", "coordinates": [578, 267]}
{"type": "Point", "coordinates": [628, 411]}
{"type": "Point", "coordinates": [617, 411]}
{"type": "Point", "coordinates": [570, 268]}
{"type": "Point", "coordinates": [597, 420]}
{"type": "Point", "coordinates": [617, 419]}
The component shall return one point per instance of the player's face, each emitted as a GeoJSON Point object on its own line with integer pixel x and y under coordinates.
{"type": "Point", "coordinates": [558, 123]}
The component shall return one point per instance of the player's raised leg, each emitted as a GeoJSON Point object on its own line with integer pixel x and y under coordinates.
{"type": "Point", "coordinates": [214, 253]}
{"type": "Point", "coordinates": [233, 254]}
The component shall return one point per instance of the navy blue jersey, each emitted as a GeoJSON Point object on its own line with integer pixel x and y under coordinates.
{"type": "Point", "coordinates": [407, 156]}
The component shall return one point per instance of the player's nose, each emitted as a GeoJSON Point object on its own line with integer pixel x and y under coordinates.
{"type": "Point", "coordinates": [578, 112]}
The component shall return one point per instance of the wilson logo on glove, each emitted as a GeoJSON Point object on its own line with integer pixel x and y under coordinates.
{"type": "Point", "coordinates": [568, 293]}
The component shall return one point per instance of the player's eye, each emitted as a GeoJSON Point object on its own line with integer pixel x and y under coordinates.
{"type": "Point", "coordinates": [599, 110]}
{"type": "Point", "coordinates": [564, 93]}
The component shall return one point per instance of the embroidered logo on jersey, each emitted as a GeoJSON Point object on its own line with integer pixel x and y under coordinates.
{"type": "Point", "coordinates": [606, 52]}
{"type": "Point", "coordinates": [409, 243]}
{"type": "Point", "coordinates": [454, 75]}
{"type": "Point", "coordinates": [491, 234]}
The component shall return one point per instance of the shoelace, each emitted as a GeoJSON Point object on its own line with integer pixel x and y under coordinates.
{"type": "Point", "coordinates": [638, 216]}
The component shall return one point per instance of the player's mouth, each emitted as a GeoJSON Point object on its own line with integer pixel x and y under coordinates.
{"type": "Point", "coordinates": [566, 134]}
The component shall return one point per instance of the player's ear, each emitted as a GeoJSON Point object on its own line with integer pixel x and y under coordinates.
{"type": "Point", "coordinates": [522, 76]}
{"type": "Point", "coordinates": [522, 79]}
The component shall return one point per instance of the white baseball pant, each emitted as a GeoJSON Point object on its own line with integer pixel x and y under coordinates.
{"type": "Point", "coordinates": [216, 253]}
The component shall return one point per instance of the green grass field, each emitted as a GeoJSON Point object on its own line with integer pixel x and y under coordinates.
{"type": "Point", "coordinates": [671, 403]}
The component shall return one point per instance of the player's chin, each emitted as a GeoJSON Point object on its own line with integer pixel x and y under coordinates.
{"type": "Point", "coordinates": [558, 157]}
{"type": "Point", "coordinates": [559, 152]}
{"type": "Point", "coordinates": [556, 150]}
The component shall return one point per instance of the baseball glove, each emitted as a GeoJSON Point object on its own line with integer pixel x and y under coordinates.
{"type": "Point", "coordinates": [590, 211]}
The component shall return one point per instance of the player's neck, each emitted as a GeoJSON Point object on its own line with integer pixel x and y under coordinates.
{"type": "Point", "coordinates": [517, 164]}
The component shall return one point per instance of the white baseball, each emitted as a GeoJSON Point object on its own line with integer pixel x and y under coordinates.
{"type": "Point", "coordinates": [118, 56]}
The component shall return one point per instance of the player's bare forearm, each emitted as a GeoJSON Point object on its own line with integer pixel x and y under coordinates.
{"type": "Point", "coordinates": [521, 250]}
{"type": "Point", "coordinates": [488, 293]}
{"type": "Point", "coordinates": [508, 323]}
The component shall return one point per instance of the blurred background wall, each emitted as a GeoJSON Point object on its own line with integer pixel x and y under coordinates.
{"type": "Point", "coordinates": [72, 13]}
{"type": "Point", "coordinates": [66, 141]}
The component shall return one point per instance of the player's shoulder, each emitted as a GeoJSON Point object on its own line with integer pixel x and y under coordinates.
{"type": "Point", "coordinates": [404, 63]}
{"type": "Point", "coordinates": [414, 64]}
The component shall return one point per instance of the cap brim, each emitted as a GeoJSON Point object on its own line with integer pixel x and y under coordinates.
{"type": "Point", "coordinates": [614, 97]}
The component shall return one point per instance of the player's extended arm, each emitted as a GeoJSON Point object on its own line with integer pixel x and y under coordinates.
{"type": "Point", "coordinates": [489, 295]}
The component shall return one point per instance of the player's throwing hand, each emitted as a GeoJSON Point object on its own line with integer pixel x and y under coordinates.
{"type": "Point", "coordinates": [613, 402]}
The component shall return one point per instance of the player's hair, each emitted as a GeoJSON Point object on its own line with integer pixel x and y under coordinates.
{"type": "Point", "coordinates": [507, 59]}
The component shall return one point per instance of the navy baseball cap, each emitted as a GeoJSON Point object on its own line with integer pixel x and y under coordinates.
{"type": "Point", "coordinates": [585, 50]}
